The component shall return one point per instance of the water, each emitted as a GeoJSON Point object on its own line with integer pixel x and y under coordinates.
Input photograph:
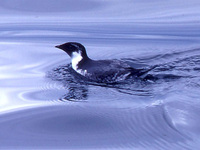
{"type": "Point", "coordinates": [45, 105]}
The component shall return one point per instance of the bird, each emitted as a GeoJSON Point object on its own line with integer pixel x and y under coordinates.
{"type": "Point", "coordinates": [100, 71]}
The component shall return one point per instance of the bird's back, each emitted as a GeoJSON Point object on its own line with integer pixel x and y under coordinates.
{"type": "Point", "coordinates": [106, 70]}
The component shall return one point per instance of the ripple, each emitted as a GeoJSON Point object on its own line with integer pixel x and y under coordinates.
{"type": "Point", "coordinates": [47, 92]}
{"type": "Point", "coordinates": [89, 127]}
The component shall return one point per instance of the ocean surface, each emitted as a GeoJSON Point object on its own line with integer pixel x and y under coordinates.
{"type": "Point", "coordinates": [45, 105]}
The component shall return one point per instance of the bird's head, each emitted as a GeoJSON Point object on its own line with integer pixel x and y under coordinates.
{"type": "Point", "coordinates": [73, 49]}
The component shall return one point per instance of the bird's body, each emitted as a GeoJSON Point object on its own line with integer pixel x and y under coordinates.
{"type": "Point", "coordinates": [105, 71]}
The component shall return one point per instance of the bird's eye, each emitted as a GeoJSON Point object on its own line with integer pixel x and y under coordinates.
{"type": "Point", "coordinates": [71, 47]}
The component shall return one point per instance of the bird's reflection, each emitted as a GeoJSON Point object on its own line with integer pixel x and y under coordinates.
{"type": "Point", "coordinates": [76, 87]}
{"type": "Point", "coordinates": [75, 93]}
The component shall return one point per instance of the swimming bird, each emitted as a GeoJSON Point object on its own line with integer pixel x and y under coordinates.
{"type": "Point", "coordinates": [102, 71]}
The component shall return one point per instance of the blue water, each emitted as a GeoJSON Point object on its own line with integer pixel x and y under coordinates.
{"type": "Point", "coordinates": [44, 105]}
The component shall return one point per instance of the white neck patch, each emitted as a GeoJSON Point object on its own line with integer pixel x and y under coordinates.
{"type": "Point", "coordinates": [76, 58]}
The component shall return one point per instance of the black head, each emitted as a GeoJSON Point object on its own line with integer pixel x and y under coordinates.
{"type": "Point", "coordinates": [71, 47]}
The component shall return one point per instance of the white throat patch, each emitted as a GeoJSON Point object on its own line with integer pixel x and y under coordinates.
{"type": "Point", "coordinates": [76, 58]}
